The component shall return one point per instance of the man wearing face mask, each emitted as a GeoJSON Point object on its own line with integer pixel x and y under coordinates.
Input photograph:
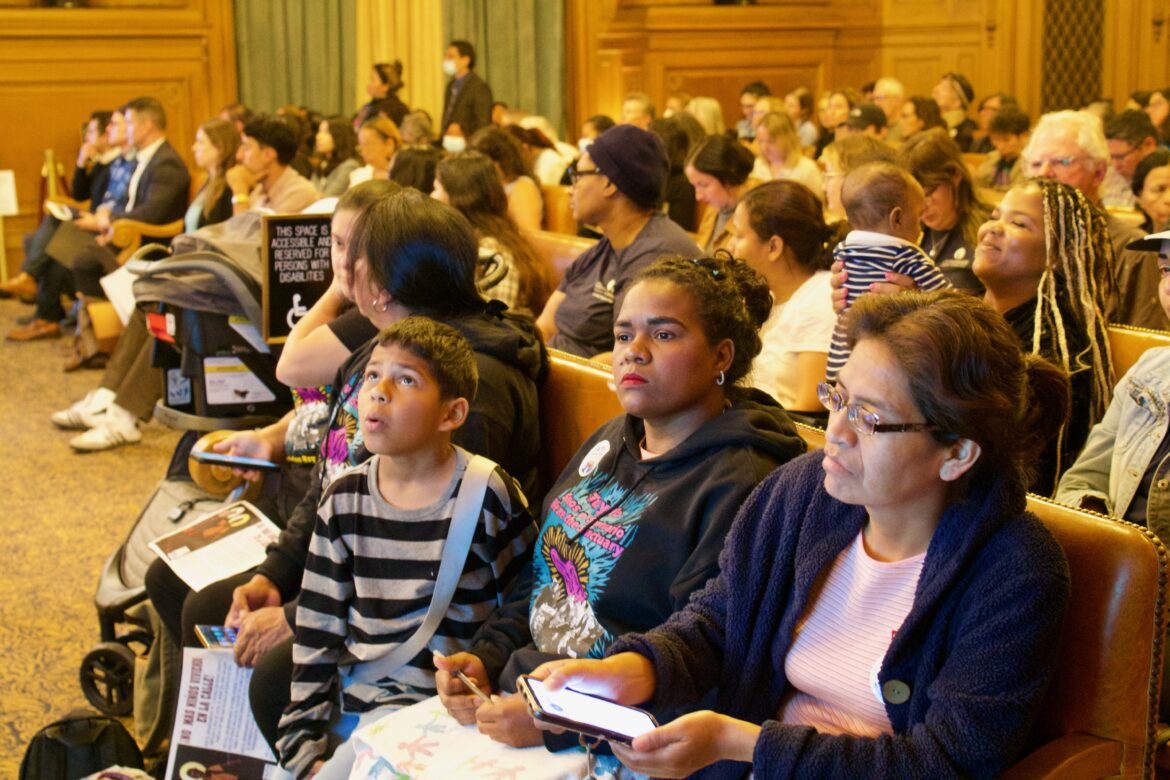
{"type": "Point", "coordinates": [467, 103]}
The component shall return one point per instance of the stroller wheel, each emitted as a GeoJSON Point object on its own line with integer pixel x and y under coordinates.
{"type": "Point", "coordinates": [107, 678]}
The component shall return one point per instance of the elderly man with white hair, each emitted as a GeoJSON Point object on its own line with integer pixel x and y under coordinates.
{"type": "Point", "coordinates": [1070, 146]}
{"type": "Point", "coordinates": [889, 95]}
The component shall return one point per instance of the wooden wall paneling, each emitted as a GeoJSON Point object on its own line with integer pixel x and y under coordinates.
{"type": "Point", "coordinates": [922, 39]}
{"type": "Point", "coordinates": [1137, 48]}
{"type": "Point", "coordinates": [58, 65]}
{"type": "Point", "coordinates": [664, 46]}
{"type": "Point", "coordinates": [1016, 46]}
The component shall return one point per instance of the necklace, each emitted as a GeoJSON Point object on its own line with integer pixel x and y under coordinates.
{"type": "Point", "coordinates": [937, 242]}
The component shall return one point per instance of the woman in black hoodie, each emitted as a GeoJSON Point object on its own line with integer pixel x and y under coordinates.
{"type": "Point", "coordinates": [636, 521]}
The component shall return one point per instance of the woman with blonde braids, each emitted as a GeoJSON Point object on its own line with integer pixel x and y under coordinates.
{"type": "Point", "coordinates": [1045, 259]}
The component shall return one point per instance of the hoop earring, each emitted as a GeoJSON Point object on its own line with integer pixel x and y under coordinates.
{"type": "Point", "coordinates": [722, 378]}
{"type": "Point", "coordinates": [387, 305]}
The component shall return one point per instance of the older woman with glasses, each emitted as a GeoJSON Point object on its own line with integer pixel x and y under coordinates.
{"type": "Point", "coordinates": [885, 607]}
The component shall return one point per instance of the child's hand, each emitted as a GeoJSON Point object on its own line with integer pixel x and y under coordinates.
{"type": "Point", "coordinates": [460, 702]}
{"type": "Point", "coordinates": [837, 283]}
{"type": "Point", "coordinates": [507, 720]}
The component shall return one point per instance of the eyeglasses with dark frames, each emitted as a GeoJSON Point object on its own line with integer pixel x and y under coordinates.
{"type": "Point", "coordinates": [576, 173]}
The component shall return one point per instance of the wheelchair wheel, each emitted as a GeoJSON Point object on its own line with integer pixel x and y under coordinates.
{"type": "Point", "coordinates": [107, 678]}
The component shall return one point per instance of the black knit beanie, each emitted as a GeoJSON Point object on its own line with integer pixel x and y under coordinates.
{"type": "Point", "coordinates": [634, 160]}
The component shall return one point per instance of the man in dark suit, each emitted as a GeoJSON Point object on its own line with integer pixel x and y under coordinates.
{"type": "Point", "coordinates": [467, 104]}
{"type": "Point", "coordinates": [158, 192]}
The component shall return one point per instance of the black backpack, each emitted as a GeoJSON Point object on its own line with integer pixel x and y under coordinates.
{"type": "Point", "coordinates": [79, 744]}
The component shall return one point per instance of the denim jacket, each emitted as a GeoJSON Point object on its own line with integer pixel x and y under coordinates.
{"type": "Point", "coordinates": [1121, 446]}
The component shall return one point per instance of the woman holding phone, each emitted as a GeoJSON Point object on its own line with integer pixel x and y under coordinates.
{"type": "Point", "coordinates": [885, 607]}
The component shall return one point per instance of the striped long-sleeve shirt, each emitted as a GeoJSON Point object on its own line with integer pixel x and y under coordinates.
{"type": "Point", "coordinates": [369, 578]}
{"type": "Point", "coordinates": [868, 256]}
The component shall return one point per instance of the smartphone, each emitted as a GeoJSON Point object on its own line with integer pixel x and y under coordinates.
{"type": "Point", "coordinates": [234, 461]}
{"type": "Point", "coordinates": [583, 713]}
{"type": "Point", "coordinates": [216, 637]}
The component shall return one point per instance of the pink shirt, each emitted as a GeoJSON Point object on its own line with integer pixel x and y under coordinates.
{"type": "Point", "coordinates": [841, 641]}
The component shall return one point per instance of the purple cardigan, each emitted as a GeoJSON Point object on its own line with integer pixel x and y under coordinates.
{"type": "Point", "coordinates": [964, 676]}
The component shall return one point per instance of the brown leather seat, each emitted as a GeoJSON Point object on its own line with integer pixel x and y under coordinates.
{"type": "Point", "coordinates": [558, 250]}
{"type": "Point", "coordinates": [558, 212]}
{"type": "Point", "coordinates": [1101, 712]}
{"type": "Point", "coordinates": [575, 400]}
{"type": "Point", "coordinates": [1127, 345]}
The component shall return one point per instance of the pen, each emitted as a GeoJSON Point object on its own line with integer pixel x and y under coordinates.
{"type": "Point", "coordinates": [474, 688]}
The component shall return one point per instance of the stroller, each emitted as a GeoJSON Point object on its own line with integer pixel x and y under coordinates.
{"type": "Point", "coordinates": [202, 304]}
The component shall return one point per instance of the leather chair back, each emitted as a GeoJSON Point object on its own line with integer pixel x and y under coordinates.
{"type": "Point", "coordinates": [1128, 344]}
{"type": "Point", "coordinates": [558, 250]}
{"type": "Point", "coordinates": [575, 400]}
{"type": "Point", "coordinates": [558, 213]}
{"type": "Point", "coordinates": [1108, 680]}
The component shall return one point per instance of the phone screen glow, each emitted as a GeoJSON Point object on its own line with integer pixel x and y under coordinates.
{"type": "Point", "coordinates": [590, 710]}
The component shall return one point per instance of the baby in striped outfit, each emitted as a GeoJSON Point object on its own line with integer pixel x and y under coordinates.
{"type": "Point", "coordinates": [884, 205]}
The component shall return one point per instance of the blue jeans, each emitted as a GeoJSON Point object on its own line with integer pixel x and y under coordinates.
{"type": "Point", "coordinates": [341, 762]}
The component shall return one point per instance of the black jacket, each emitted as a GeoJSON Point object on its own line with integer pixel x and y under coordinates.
{"type": "Point", "coordinates": [91, 183]}
{"type": "Point", "coordinates": [162, 191]}
{"type": "Point", "coordinates": [625, 541]}
{"type": "Point", "coordinates": [503, 425]}
{"type": "Point", "coordinates": [472, 108]}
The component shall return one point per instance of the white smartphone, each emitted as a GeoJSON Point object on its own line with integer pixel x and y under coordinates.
{"type": "Point", "coordinates": [592, 716]}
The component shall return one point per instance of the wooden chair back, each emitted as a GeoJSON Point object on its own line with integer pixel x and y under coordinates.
{"type": "Point", "coordinates": [558, 213]}
{"type": "Point", "coordinates": [558, 250]}
{"type": "Point", "coordinates": [575, 400]}
{"type": "Point", "coordinates": [1128, 344]}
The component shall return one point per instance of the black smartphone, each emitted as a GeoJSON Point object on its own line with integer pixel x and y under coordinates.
{"type": "Point", "coordinates": [592, 716]}
{"type": "Point", "coordinates": [234, 461]}
{"type": "Point", "coordinates": [216, 637]}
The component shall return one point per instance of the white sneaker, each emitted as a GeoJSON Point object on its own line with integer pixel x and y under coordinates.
{"type": "Point", "coordinates": [86, 413]}
{"type": "Point", "coordinates": [117, 428]}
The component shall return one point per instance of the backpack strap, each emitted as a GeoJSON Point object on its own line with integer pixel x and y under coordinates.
{"type": "Point", "coordinates": [464, 519]}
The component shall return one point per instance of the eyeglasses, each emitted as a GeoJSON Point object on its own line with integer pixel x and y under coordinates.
{"type": "Point", "coordinates": [862, 419]}
{"type": "Point", "coordinates": [575, 174]}
{"type": "Point", "coordinates": [1123, 155]}
{"type": "Point", "coordinates": [1056, 163]}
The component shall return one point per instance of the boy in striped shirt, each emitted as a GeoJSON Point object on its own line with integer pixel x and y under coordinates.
{"type": "Point", "coordinates": [376, 548]}
{"type": "Point", "coordinates": [884, 206]}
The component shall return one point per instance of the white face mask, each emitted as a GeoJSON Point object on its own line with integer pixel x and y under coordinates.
{"type": "Point", "coordinates": [454, 143]}
{"type": "Point", "coordinates": [449, 67]}
{"type": "Point", "coordinates": [583, 144]}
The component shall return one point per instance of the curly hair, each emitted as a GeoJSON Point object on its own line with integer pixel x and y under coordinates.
{"type": "Point", "coordinates": [733, 301]}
